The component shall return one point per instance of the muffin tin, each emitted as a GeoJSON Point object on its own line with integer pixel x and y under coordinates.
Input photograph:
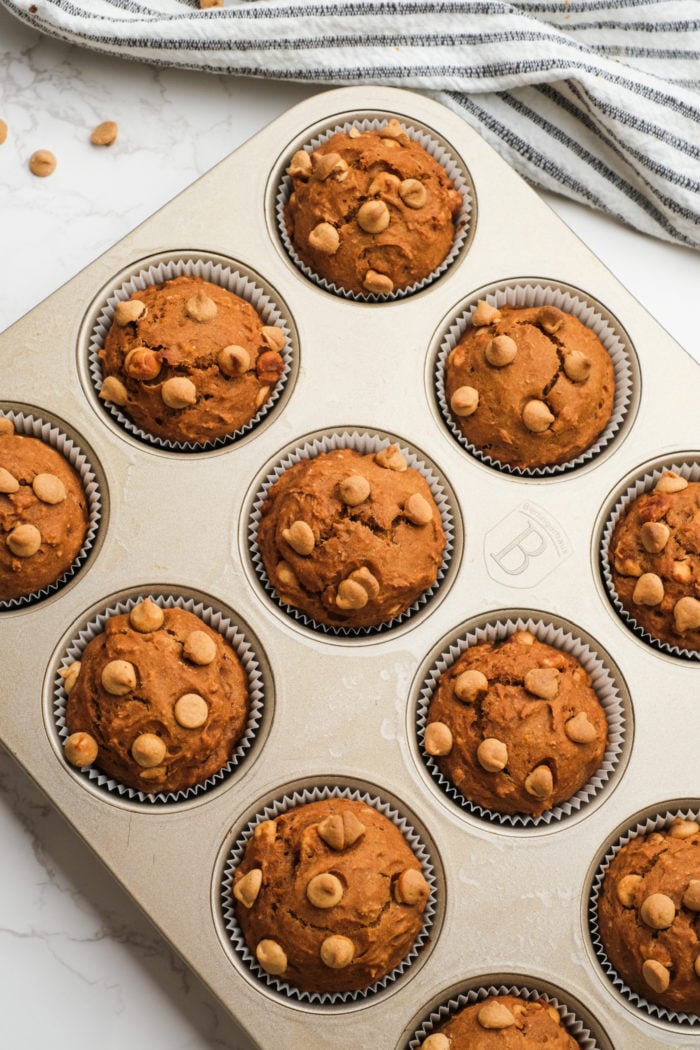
{"type": "Point", "coordinates": [511, 900]}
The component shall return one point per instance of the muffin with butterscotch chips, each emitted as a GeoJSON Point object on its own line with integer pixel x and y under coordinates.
{"type": "Point", "coordinates": [371, 212]}
{"type": "Point", "coordinates": [503, 1022]}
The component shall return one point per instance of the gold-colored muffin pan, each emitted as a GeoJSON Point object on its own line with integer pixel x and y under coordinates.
{"type": "Point", "coordinates": [512, 901]}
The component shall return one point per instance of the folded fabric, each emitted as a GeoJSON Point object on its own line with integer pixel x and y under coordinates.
{"type": "Point", "coordinates": [598, 100]}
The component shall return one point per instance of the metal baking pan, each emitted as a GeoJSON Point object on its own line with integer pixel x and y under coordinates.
{"type": "Point", "coordinates": [512, 901]}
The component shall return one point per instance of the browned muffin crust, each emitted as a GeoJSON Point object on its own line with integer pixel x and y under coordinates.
{"type": "Point", "coordinates": [351, 539]}
{"type": "Point", "coordinates": [503, 1022]}
{"type": "Point", "coordinates": [655, 561]}
{"type": "Point", "coordinates": [516, 725]}
{"type": "Point", "coordinates": [330, 896]}
{"type": "Point", "coordinates": [648, 916]}
{"type": "Point", "coordinates": [158, 700]}
{"type": "Point", "coordinates": [372, 211]}
{"type": "Point", "coordinates": [529, 386]}
{"type": "Point", "coordinates": [189, 361]}
{"type": "Point", "coordinates": [43, 515]}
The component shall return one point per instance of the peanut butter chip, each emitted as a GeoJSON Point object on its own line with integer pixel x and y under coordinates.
{"type": "Point", "coordinates": [128, 311]}
{"type": "Point", "coordinates": [577, 367]}
{"type": "Point", "coordinates": [418, 510]}
{"type": "Point", "coordinates": [550, 318]}
{"type": "Point", "coordinates": [80, 749]}
{"type": "Point", "coordinates": [492, 755]}
{"type": "Point", "coordinates": [266, 830]}
{"type": "Point", "coordinates": [199, 647]}
{"type": "Point", "coordinates": [42, 163]}
{"type": "Point", "coordinates": [191, 711]}
{"type": "Point", "coordinates": [118, 677]}
{"type": "Point", "coordinates": [300, 165]}
{"type": "Point", "coordinates": [373, 216]}
{"type": "Point", "coordinates": [438, 739]}
{"type": "Point", "coordinates": [325, 165]}
{"type": "Point", "coordinates": [539, 783]}
{"type": "Point", "coordinates": [686, 614]}
{"type": "Point", "coordinates": [273, 337]}
{"type": "Point", "coordinates": [413, 193]}
{"type": "Point", "coordinates": [523, 637]}
{"type": "Point", "coordinates": [246, 890]}
{"type": "Point", "coordinates": [542, 682]}
{"type": "Point", "coordinates": [324, 238]}
{"type": "Point", "coordinates": [654, 536]}
{"type": "Point", "coordinates": [357, 589]}
{"type": "Point", "coordinates": [70, 676]}
{"type": "Point", "coordinates": [691, 897]}
{"type": "Point", "coordinates": [340, 831]}
{"type": "Point", "coordinates": [104, 134]}
{"type": "Point", "coordinates": [391, 459]}
{"type": "Point", "coordinates": [648, 590]}
{"type": "Point", "coordinates": [378, 283]}
{"type": "Point", "coordinates": [271, 956]}
{"type": "Point", "coordinates": [658, 911]}
{"type": "Point", "coordinates": [354, 489]}
{"type": "Point", "coordinates": [6, 426]}
{"type": "Point", "coordinates": [24, 540]}
{"type": "Point", "coordinates": [337, 952]}
{"type": "Point", "coordinates": [484, 314]}
{"type": "Point", "coordinates": [394, 130]}
{"type": "Point", "coordinates": [49, 488]}
{"type": "Point", "coordinates": [8, 482]}
{"type": "Point", "coordinates": [501, 351]}
{"type": "Point", "coordinates": [324, 890]}
{"type": "Point", "coordinates": [300, 537]}
{"type": "Point", "coordinates": [201, 307]}
{"type": "Point", "coordinates": [178, 392]}
{"type": "Point", "coordinates": [671, 482]}
{"type": "Point", "coordinates": [146, 616]}
{"type": "Point", "coordinates": [114, 390]}
{"type": "Point", "coordinates": [495, 1015]}
{"type": "Point", "coordinates": [411, 887]}
{"type": "Point", "coordinates": [683, 829]}
{"type": "Point", "coordinates": [579, 729]}
{"type": "Point", "coordinates": [285, 575]}
{"type": "Point", "coordinates": [233, 360]}
{"type": "Point", "coordinates": [148, 750]}
{"type": "Point", "coordinates": [436, 1041]}
{"type": "Point", "coordinates": [627, 890]}
{"type": "Point", "coordinates": [656, 975]}
{"type": "Point", "coordinates": [537, 417]}
{"type": "Point", "coordinates": [384, 182]}
{"type": "Point", "coordinates": [469, 684]}
{"type": "Point", "coordinates": [464, 401]}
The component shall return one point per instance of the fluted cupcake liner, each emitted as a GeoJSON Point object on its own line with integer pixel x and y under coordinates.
{"type": "Point", "coordinates": [188, 265]}
{"type": "Point", "coordinates": [218, 622]}
{"type": "Point", "coordinates": [544, 293]}
{"type": "Point", "coordinates": [365, 443]}
{"type": "Point", "coordinates": [691, 472]}
{"type": "Point", "coordinates": [659, 821]}
{"type": "Point", "coordinates": [34, 426]}
{"type": "Point", "coordinates": [274, 809]}
{"type": "Point", "coordinates": [576, 1028]}
{"type": "Point", "coordinates": [460, 180]}
{"type": "Point", "coordinates": [602, 682]}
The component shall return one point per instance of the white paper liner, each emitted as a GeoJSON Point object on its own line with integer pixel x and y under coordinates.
{"type": "Point", "coordinates": [190, 265]}
{"type": "Point", "coordinates": [657, 822]}
{"type": "Point", "coordinates": [691, 472]}
{"type": "Point", "coordinates": [438, 153]}
{"type": "Point", "coordinates": [238, 642]}
{"type": "Point", "coordinates": [33, 426]}
{"type": "Point", "coordinates": [574, 1026]}
{"type": "Point", "coordinates": [545, 294]}
{"type": "Point", "coordinates": [365, 443]}
{"type": "Point", "coordinates": [602, 682]}
{"type": "Point", "coordinates": [270, 812]}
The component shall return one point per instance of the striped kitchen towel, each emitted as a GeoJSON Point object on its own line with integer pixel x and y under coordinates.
{"type": "Point", "coordinates": [598, 100]}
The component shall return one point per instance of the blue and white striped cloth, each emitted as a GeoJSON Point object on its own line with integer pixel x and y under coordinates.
{"type": "Point", "coordinates": [598, 100]}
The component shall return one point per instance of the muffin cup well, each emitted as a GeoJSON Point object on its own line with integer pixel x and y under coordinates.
{"type": "Point", "coordinates": [27, 424]}
{"type": "Point", "coordinates": [231, 634]}
{"type": "Point", "coordinates": [165, 268]}
{"type": "Point", "coordinates": [290, 801]}
{"type": "Point", "coordinates": [439, 152]}
{"type": "Point", "coordinates": [365, 443]}
{"type": "Point", "coordinates": [659, 820]}
{"type": "Point", "coordinates": [602, 681]}
{"type": "Point", "coordinates": [570, 300]}
{"type": "Point", "coordinates": [688, 469]}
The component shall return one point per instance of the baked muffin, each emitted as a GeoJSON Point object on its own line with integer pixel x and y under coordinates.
{"type": "Point", "coordinates": [351, 539]}
{"type": "Point", "coordinates": [329, 896]}
{"type": "Point", "coordinates": [503, 1022]}
{"type": "Point", "coordinates": [654, 558]}
{"type": "Point", "coordinates": [189, 361]}
{"type": "Point", "coordinates": [529, 386]}
{"type": "Point", "coordinates": [158, 700]}
{"type": "Point", "coordinates": [516, 726]}
{"type": "Point", "coordinates": [43, 514]}
{"type": "Point", "coordinates": [371, 211]}
{"type": "Point", "coordinates": [648, 916]}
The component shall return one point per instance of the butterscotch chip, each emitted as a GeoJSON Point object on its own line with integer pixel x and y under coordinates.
{"type": "Point", "coordinates": [271, 956]}
{"type": "Point", "coordinates": [300, 537]}
{"type": "Point", "coordinates": [656, 975]}
{"type": "Point", "coordinates": [495, 1015]}
{"type": "Point", "coordinates": [543, 682]}
{"type": "Point", "coordinates": [42, 163]}
{"type": "Point", "coordinates": [377, 283]}
{"type": "Point", "coordinates": [246, 890]}
{"type": "Point", "coordinates": [178, 392]}
{"type": "Point", "coordinates": [3, 132]}
{"type": "Point", "coordinates": [438, 739]}
{"type": "Point", "coordinates": [658, 911]}
{"type": "Point", "coordinates": [118, 677]}
{"type": "Point", "coordinates": [500, 351]}
{"type": "Point", "coordinates": [8, 482]}
{"type": "Point", "coordinates": [436, 1042]}
{"type": "Point", "coordinates": [540, 782]}
{"type": "Point", "coordinates": [146, 616]}
{"type": "Point", "coordinates": [114, 390]}
{"type": "Point", "coordinates": [324, 238]}
{"type": "Point", "coordinates": [628, 890]}
{"type": "Point", "coordinates": [128, 311]}
{"type": "Point", "coordinates": [191, 711]}
{"type": "Point", "coordinates": [105, 134]}
{"type": "Point", "coordinates": [373, 216]}
{"type": "Point", "coordinates": [233, 360]}
{"type": "Point", "coordinates": [580, 729]}
{"type": "Point", "coordinates": [391, 458]}
{"type": "Point", "coordinates": [502, 1021]}
{"type": "Point", "coordinates": [464, 401]}
{"type": "Point", "coordinates": [6, 426]}
{"type": "Point", "coordinates": [411, 887]}
{"type": "Point", "coordinates": [354, 489]}
{"type": "Point", "coordinates": [70, 676]}
{"type": "Point", "coordinates": [142, 363]}
{"type": "Point", "coordinates": [325, 890]}
{"type": "Point", "coordinates": [148, 750]}
{"type": "Point", "coordinates": [199, 647]}
{"type": "Point", "coordinates": [469, 685]}
{"type": "Point", "coordinates": [80, 749]}
{"type": "Point", "coordinates": [671, 481]}
{"type": "Point", "coordinates": [492, 755]}
{"type": "Point", "coordinates": [49, 488]}
{"type": "Point", "coordinates": [537, 416]}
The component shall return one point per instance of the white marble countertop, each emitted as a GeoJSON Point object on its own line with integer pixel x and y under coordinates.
{"type": "Point", "coordinates": [66, 927]}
